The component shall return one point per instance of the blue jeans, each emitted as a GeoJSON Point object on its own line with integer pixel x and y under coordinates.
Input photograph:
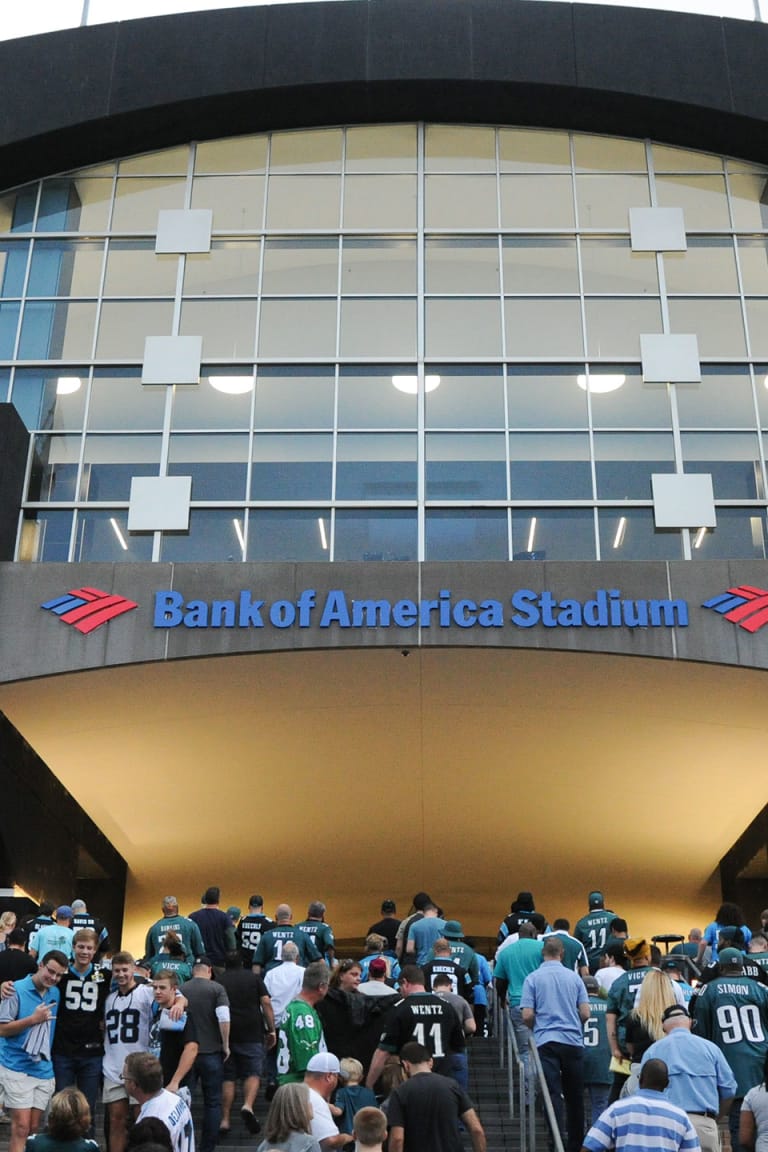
{"type": "Point", "coordinates": [733, 1123]}
{"type": "Point", "coordinates": [83, 1072]}
{"type": "Point", "coordinates": [208, 1071]}
{"type": "Point", "coordinates": [456, 1066]}
{"type": "Point", "coordinates": [598, 1099]}
{"type": "Point", "coordinates": [563, 1067]}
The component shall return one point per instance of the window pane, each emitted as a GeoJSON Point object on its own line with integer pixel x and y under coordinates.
{"type": "Point", "coordinates": [138, 201]}
{"type": "Point", "coordinates": [375, 535]}
{"type": "Point", "coordinates": [375, 467]}
{"type": "Point", "coordinates": [463, 327]}
{"type": "Point", "coordinates": [228, 327]}
{"type": "Point", "coordinates": [549, 327]}
{"type": "Point", "coordinates": [292, 534]}
{"type": "Point", "coordinates": [61, 331]}
{"type": "Point", "coordinates": [222, 399]}
{"type": "Point", "coordinates": [380, 202]}
{"type": "Point", "coordinates": [612, 266]}
{"type": "Point", "coordinates": [124, 326]}
{"type": "Point", "coordinates": [550, 466]}
{"type": "Point", "coordinates": [717, 323]}
{"type": "Point", "coordinates": [614, 326]}
{"type": "Point", "coordinates": [17, 209]}
{"type": "Point", "coordinates": [749, 201]}
{"type": "Point", "coordinates": [553, 534]}
{"type": "Point", "coordinates": [632, 404]}
{"type": "Point", "coordinates": [378, 327]}
{"type": "Point", "coordinates": [317, 150]}
{"type": "Point", "coordinates": [668, 159]}
{"type": "Point", "coordinates": [303, 202]}
{"type": "Point", "coordinates": [460, 202]}
{"type": "Point", "coordinates": [297, 267]}
{"type": "Point", "coordinates": [13, 266]}
{"type": "Point", "coordinates": [753, 260]}
{"type": "Point", "coordinates": [231, 268]}
{"type": "Point", "coordinates": [539, 264]}
{"type": "Point", "coordinates": [74, 205]}
{"type": "Point", "coordinates": [381, 148]}
{"type": "Point", "coordinates": [45, 536]}
{"type": "Point", "coordinates": [120, 400]}
{"type": "Point", "coordinates": [761, 389]}
{"type": "Point", "coordinates": [625, 461]}
{"type": "Point", "coordinates": [169, 162]}
{"type": "Point", "coordinates": [54, 468]}
{"type": "Point", "coordinates": [630, 534]}
{"type": "Point", "coordinates": [368, 398]}
{"type": "Point", "coordinates": [702, 199]}
{"type": "Point", "coordinates": [471, 397]}
{"type": "Point", "coordinates": [739, 535]}
{"type": "Point", "coordinates": [110, 462]}
{"type": "Point", "coordinates": [723, 399]}
{"type": "Point", "coordinates": [103, 536]}
{"type": "Point", "coordinates": [65, 268]}
{"type": "Point", "coordinates": [458, 265]}
{"type": "Point", "coordinates": [707, 266]}
{"type": "Point", "coordinates": [9, 319]}
{"type": "Point", "coordinates": [471, 466]}
{"type": "Point", "coordinates": [536, 202]}
{"type": "Point", "coordinates": [217, 465]}
{"type": "Point", "coordinates": [455, 148]}
{"type": "Point", "coordinates": [292, 328]}
{"type": "Point", "coordinates": [212, 536]}
{"type": "Point", "coordinates": [294, 398]}
{"type": "Point", "coordinates": [525, 150]}
{"type": "Point", "coordinates": [238, 154]}
{"type": "Point", "coordinates": [134, 269]}
{"type": "Point", "coordinates": [732, 459]}
{"type": "Point", "coordinates": [378, 266]}
{"type": "Point", "coordinates": [237, 202]}
{"type": "Point", "coordinates": [605, 153]}
{"type": "Point", "coordinates": [451, 534]}
{"type": "Point", "coordinates": [605, 201]}
{"type": "Point", "coordinates": [546, 396]}
{"type": "Point", "coordinates": [291, 467]}
{"type": "Point", "coordinates": [45, 404]}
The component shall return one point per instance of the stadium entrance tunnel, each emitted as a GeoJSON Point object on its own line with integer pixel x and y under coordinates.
{"type": "Point", "coordinates": [351, 776]}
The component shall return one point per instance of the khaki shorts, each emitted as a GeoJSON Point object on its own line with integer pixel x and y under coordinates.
{"type": "Point", "coordinates": [22, 1091]}
{"type": "Point", "coordinates": [114, 1091]}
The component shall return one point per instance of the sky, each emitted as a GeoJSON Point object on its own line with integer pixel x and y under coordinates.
{"type": "Point", "coordinates": [47, 15]}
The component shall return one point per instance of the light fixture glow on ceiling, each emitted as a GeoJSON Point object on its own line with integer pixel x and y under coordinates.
{"type": "Point", "coordinates": [700, 537]}
{"type": "Point", "coordinates": [531, 534]}
{"type": "Point", "coordinates": [66, 385]}
{"type": "Point", "coordinates": [410, 384]}
{"type": "Point", "coordinates": [118, 533]}
{"type": "Point", "coordinates": [233, 385]}
{"type": "Point", "coordinates": [618, 539]}
{"type": "Point", "coordinates": [601, 382]}
{"type": "Point", "coordinates": [323, 537]}
{"type": "Point", "coordinates": [240, 537]}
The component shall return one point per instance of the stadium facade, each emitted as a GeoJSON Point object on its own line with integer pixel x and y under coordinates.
{"type": "Point", "coordinates": [384, 477]}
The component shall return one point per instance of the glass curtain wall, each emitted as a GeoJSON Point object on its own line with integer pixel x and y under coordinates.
{"type": "Point", "coordinates": [419, 342]}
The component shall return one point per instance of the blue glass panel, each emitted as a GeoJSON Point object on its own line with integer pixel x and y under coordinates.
{"type": "Point", "coordinates": [9, 318]}
{"type": "Point", "coordinates": [375, 535]}
{"type": "Point", "coordinates": [291, 480]}
{"type": "Point", "coordinates": [52, 536]}
{"type": "Point", "coordinates": [24, 209]}
{"type": "Point", "coordinates": [59, 207]}
{"type": "Point", "coordinates": [740, 535]}
{"type": "Point", "coordinates": [14, 267]}
{"type": "Point", "coordinates": [553, 534]}
{"type": "Point", "coordinates": [477, 535]}
{"type": "Point", "coordinates": [103, 535]}
{"type": "Point", "coordinates": [212, 535]}
{"type": "Point", "coordinates": [37, 399]}
{"type": "Point", "coordinates": [466, 480]}
{"type": "Point", "coordinates": [550, 479]}
{"type": "Point", "coordinates": [290, 534]}
{"type": "Point", "coordinates": [631, 534]}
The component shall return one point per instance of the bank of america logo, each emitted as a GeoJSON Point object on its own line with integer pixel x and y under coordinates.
{"type": "Point", "coordinates": [745, 606]}
{"type": "Point", "coordinates": [88, 608]}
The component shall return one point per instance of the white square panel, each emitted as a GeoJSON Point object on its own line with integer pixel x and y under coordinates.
{"type": "Point", "coordinates": [184, 230]}
{"type": "Point", "coordinates": [657, 230]}
{"type": "Point", "coordinates": [172, 360]}
{"type": "Point", "coordinates": [670, 359]}
{"type": "Point", "coordinates": [683, 501]}
{"type": "Point", "coordinates": [159, 503]}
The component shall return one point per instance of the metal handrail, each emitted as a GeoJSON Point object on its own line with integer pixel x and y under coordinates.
{"type": "Point", "coordinates": [543, 1088]}
{"type": "Point", "coordinates": [509, 1052]}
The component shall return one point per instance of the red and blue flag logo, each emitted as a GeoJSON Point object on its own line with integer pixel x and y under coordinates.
{"type": "Point", "coordinates": [745, 606]}
{"type": "Point", "coordinates": [88, 608]}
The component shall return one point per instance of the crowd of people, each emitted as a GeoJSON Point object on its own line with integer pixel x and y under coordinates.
{"type": "Point", "coordinates": [373, 1051]}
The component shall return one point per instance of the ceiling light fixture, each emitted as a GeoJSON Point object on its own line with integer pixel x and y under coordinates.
{"type": "Point", "coordinates": [531, 534]}
{"type": "Point", "coordinates": [410, 384]}
{"type": "Point", "coordinates": [66, 385]}
{"type": "Point", "coordinates": [323, 537]}
{"type": "Point", "coordinates": [618, 539]}
{"type": "Point", "coordinates": [232, 385]}
{"type": "Point", "coordinates": [601, 382]}
{"type": "Point", "coordinates": [700, 537]}
{"type": "Point", "coordinates": [240, 537]}
{"type": "Point", "coordinates": [118, 533]}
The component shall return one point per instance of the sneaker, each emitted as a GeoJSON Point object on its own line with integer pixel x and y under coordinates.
{"type": "Point", "coordinates": [250, 1121]}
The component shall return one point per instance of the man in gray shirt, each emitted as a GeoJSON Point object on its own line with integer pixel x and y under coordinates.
{"type": "Point", "coordinates": [209, 1010]}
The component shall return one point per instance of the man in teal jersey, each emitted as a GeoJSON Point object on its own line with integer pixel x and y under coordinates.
{"type": "Point", "coordinates": [460, 950]}
{"type": "Point", "coordinates": [270, 950]}
{"type": "Point", "coordinates": [592, 929]}
{"type": "Point", "coordinates": [597, 1053]}
{"type": "Point", "coordinates": [574, 953]}
{"type": "Point", "coordinates": [732, 1012]}
{"type": "Point", "coordinates": [513, 963]}
{"type": "Point", "coordinates": [321, 933]}
{"type": "Point", "coordinates": [300, 1032]}
{"type": "Point", "coordinates": [186, 929]}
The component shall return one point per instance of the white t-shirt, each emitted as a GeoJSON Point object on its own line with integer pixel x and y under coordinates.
{"type": "Point", "coordinates": [126, 1027]}
{"type": "Point", "coordinates": [323, 1124]}
{"type": "Point", "coordinates": [176, 1116]}
{"type": "Point", "coordinates": [756, 1102]}
{"type": "Point", "coordinates": [606, 976]}
{"type": "Point", "coordinates": [283, 984]}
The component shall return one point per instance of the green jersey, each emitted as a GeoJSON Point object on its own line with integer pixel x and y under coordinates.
{"type": "Point", "coordinates": [597, 1054]}
{"type": "Point", "coordinates": [592, 931]}
{"type": "Point", "coordinates": [732, 1011]}
{"type": "Point", "coordinates": [621, 998]}
{"type": "Point", "coordinates": [187, 931]}
{"type": "Point", "coordinates": [300, 1037]}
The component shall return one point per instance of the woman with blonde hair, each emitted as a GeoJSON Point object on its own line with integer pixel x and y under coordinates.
{"type": "Point", "coordinates": [289, 1122]}
{"type": "Point", "coordinates": [69, 1118]}
{"type": "Point", "coordinates": [7, 925]}
{"type": "Point", "coordinates": [644, 1027]}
